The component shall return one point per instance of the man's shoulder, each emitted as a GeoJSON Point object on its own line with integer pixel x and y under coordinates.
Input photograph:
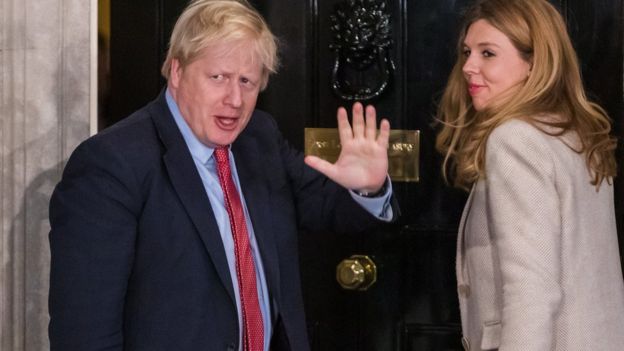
{"type": "Point", "coordinates": [261, 125]}
{"type": "Point", "coordinates": [138, 128]}
{"type": "Point", "coordinates": [262, 119]}
{"type": "Point", "coordinates": [134, 138]}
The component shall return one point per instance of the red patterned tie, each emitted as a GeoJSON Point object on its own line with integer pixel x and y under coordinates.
{"type": "Point", "coordinates": [253, 331]}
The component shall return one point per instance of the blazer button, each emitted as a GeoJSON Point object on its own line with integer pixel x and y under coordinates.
{"type": "Point", "coordinates": [464, 290]}
{"type": "Point", "coordinates": [230, 347]}
{"type": "Point", "coordinates": [465, 343]}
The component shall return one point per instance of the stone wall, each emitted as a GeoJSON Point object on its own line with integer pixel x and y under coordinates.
{"type": "Point", "coordinates": [45, 94]}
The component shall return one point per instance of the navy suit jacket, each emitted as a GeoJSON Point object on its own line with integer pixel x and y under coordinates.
{"type": "Point", "coordinates": [137, 258]}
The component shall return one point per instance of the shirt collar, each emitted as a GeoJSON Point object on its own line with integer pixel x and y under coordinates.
{"type": "Point", "coordinates": [198, 150]}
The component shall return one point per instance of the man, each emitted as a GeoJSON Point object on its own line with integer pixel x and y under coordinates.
{"type": "Point", "coordinates": [176, 229]}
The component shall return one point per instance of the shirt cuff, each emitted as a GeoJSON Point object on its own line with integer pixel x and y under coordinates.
{"type": "Point", "coordinates": [378, 206]}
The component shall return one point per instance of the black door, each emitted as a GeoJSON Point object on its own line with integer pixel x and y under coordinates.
{"type": "Point", "coordinates": [413, 303]}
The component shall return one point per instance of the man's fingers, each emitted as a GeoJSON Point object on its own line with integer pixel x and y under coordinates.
{"type": "Point", "coordinates": [371, 122]}
{"type": "Point", "coordinates": [358, 120]}
{"type": "Point", "coordinates": [344, 129]}
{"type": "Point", "coordinates": [361, 128]}
{"type": "Point", "coordinates": [384, 133]}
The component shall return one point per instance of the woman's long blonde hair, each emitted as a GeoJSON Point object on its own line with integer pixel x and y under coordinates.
{"type": "Point", "coordinates": [554, 86]}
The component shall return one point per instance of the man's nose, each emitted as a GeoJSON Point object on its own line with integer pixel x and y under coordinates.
{"type": "Point", "coordinates": [234, 96]}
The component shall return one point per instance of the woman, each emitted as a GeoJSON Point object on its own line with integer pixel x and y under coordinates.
{"type": "Point", "coordinates": [538, 266]}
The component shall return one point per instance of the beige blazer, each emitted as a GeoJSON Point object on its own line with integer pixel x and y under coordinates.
{"type": "Point", "coordinates": [538, 266]}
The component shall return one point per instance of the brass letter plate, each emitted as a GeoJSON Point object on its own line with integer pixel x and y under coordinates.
{"type": "Point", "coordinates": [403, 150]}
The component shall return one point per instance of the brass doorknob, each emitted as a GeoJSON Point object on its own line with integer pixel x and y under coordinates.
{"type": "Point", "coordinates": [357, 272]}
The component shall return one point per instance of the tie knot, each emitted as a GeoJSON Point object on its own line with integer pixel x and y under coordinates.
{"type": "Point", "coordinates": [221, 156]}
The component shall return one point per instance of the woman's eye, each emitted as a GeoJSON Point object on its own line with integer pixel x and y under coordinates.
{"type": "Point", "coordinates": [466, 52]}
{"type": "Point", "coordinates": [217, 77]}
{"type": "Point", "coordinates": [488, 53]}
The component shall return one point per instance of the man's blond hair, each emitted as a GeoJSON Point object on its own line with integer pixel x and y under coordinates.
{"type": "Point", "coordinates": [206, 23]}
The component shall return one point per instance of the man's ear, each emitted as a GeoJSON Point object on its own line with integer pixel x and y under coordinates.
{"type": "Point", "coordinates": [175, 73]}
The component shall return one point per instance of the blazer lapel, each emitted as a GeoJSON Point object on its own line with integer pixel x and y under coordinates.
{"type": "Point", "coordinates": [459, 263]}
{"type": "Point", "coordinates": [253, 178]}
{"type": "Point", "coordinates": [190, 189]}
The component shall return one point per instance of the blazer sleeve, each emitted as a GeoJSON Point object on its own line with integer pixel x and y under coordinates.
{"type": "Point", "coordinates": [93, 218]}
{"type": "Point", "coordinates": [524, 219]}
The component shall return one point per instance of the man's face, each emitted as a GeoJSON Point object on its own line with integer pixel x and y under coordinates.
{"type": "Point", "coordinates": [217, 93]}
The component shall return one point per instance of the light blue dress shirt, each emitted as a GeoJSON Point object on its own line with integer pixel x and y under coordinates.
{"type": "Point", "coordinates": [206, 166]}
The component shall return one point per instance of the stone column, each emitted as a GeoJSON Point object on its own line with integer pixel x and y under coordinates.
{"type": "Point", "coordinates": [45, 108]}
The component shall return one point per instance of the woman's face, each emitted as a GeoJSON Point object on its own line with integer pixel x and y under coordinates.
{"type": "Point", "coordinates": [494, 68]}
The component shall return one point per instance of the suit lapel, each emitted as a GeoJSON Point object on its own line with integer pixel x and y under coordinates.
{"type": "Point", "coordinates": [190, 189]}
{"type": "Point", "coordinates": [253, 176]}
